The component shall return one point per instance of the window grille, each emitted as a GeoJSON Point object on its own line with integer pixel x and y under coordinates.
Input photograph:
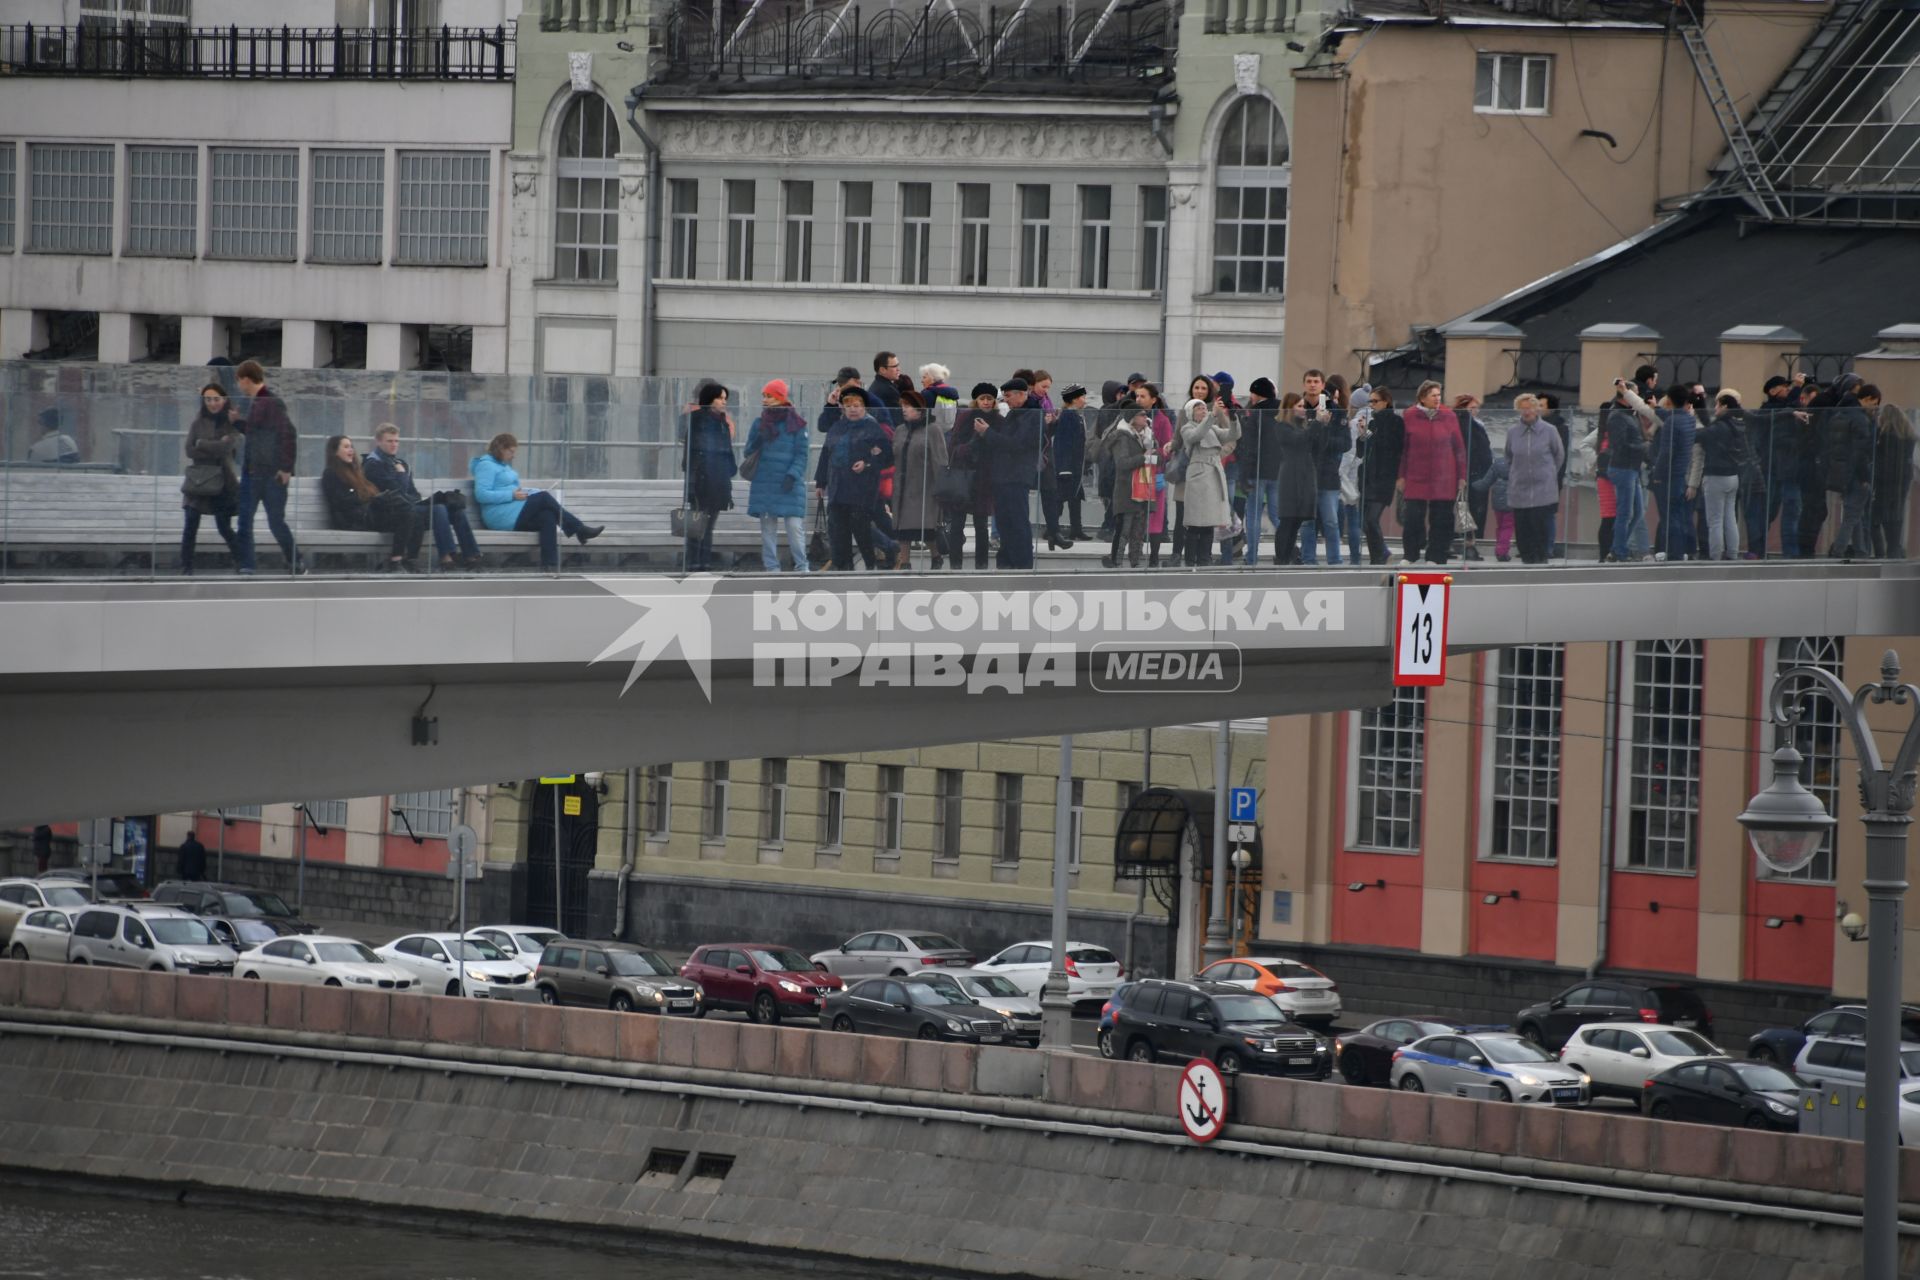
{"type": "Point", "coordinates": [1153, 237]}
{"type": "Point", "coordinates": [429, 813]}
{"type": "Point", "coordinates": [683, 196]}
{"type": "Point", "coordinates": [441, 218]}
{"type": "Point", "coordinates": [740, 229]}
{"type": "Point", "coordinates": [856, 263]}
{"type": "Point", "coordinates": [162, 200]}
{"type": "Point", "coordinates": [1664, 768]}
{"type": "Point", "coordinates": [1096, 235]}
{"type": "Point", "coordinates": [916, 232]}
{"type": "Point", "coordinates": [1250, 201]}
{"type": "Point", "coordinates": [586, 232]}
{"type": "Point", "coordinates": [1036, 206]}
{"type": "Point", "coordinates": [1526, 753]}
{"type": "Point", "coordinates": [1390, 773]}
{"type": "Point", "coordinates": [1818, 737]}
{"type": "Point", "coordinates": [796, 263]}
{"type": "Point", "coordinates": [70, 198]}
{"type": "Point", "coordinates": [331, 814]}
{"type": "Point", "coordinates": [254, 207]}
{"type": "Point", "coordinates": [976, 208]}
{"type": "Point", "coordinates": [349, 207]}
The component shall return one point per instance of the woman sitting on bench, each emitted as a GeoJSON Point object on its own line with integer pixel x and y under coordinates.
{"type": "Point", "coordinates": [508, 507]}
{"type": "Point", "coordinates": [355, 502]}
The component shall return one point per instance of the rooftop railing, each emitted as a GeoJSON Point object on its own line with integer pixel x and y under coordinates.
{"type": "Point", "coordinates": [258, 53]}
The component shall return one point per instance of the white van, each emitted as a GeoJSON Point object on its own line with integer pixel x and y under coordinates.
{"type": "Point", "coordinates": [167, 941]}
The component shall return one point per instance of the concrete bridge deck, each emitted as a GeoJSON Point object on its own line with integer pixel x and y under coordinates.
{"type": "Point", "coordinates": [310, 686]}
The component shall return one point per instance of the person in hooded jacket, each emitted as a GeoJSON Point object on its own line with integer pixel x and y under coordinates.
{"type": "Point", "coordinates": [1259, 453]}
{"type": "Point", "coordinates": [1384, 436]}
{"type": "Point", "coordinates": [858, 448]}
{"type": "Point", "coordinates": [710, 471]}
{"type": "Point", "coordinates": [1849, 475]}
{"type": "Point", "coordinates": [778, 496]}
{"type": "Point", "coordinates": [1130, 448]}
{"type": "Point", "coordinates": [962, 453]}
{"type": "Point", "coordinates": [1892, 474]}
{"type": "Point", "coordinates": [919, 460]}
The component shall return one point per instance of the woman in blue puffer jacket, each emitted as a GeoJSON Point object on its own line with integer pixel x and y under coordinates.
{"type": "Point", "coordinates": [779, 493]}
{"type": "Point", "coordinates": [509, 507]}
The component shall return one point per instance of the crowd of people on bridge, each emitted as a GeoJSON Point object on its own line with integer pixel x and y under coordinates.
{"type": "Point", "coordinates": [892, 462]}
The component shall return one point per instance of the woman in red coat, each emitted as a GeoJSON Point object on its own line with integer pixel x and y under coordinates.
{"type": "Point", "coordinates": [1433, 476]}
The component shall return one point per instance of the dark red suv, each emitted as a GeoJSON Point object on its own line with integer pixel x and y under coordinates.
{"type": "Point", "coordinates": [765, 980]}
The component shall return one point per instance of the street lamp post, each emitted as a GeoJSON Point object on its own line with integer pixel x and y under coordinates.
{"type": "Point", "coordinates": [1786, 824]}
{"type": "Point", "coordinates": [1241, 861]}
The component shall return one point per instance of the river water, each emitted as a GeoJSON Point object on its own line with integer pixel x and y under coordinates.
{"type": "Point", "coordinates": [84, 1232]}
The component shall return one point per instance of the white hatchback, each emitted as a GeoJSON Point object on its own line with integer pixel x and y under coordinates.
{"type": "Point", "coordinates": [20, 895]}
{"type": "Point", "coordinates": [317, 960]}
{"type": "Point", "coordinates": [429, 959]}
{"type": "Point", "coordinates": [44, 934]}
{"type": "Point", "coordinates": [1622, 1056]}
{"type": "Point", "coordinates": [1092, 972]}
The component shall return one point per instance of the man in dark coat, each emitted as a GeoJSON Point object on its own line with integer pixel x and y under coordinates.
{"type": "Point", "coordinates": [1815, 402]}
{"type": "Point", "coordinates": [858, 448]}
{"type": "Point", "coordinates": [1379, 468]}
{"type": "Point", "coordinates": [385, 469]}
{"type": "Point", "coordinates": [192, 856]}
{"type": "Point", "coordinates": [1103, 421]}
{"type": "Point", "coordinates": [1067, 444]}
{"type": "Point", "coordinates": [271, 448]}
{"type": "Point", "coordinates": [1849, 469]}
{"type": "Point", "coordinates": [884, 394]}
{"type": "Point", "coordinates": [1012, 450]}
{"type": "Point", "coordinates": [1259, 454]}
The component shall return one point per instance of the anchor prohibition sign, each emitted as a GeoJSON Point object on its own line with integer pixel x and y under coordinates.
{"type": "Point", "coordinates": [1202, 1100]}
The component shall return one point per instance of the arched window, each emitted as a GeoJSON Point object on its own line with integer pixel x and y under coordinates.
{"type": "Point", "coordinates": [1250, 201]}
{"type": "Point", "coordinates": [586, 229]}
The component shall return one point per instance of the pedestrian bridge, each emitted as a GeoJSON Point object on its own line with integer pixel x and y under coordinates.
{"type": "Point", "coordinates": [141, 697]}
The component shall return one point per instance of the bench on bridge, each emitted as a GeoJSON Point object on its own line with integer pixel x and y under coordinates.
{"type": "Point", "coordinates": [64, 520]}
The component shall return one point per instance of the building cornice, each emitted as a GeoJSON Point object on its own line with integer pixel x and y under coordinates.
{"type": "Point", "coordinates": [847, 135]}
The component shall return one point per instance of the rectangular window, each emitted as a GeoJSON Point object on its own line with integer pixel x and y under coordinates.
{"type": "Point", "coordinates": [427, 813]}
{"type": "Point", "coordinates": [773, 801]}
{"type": "Point", "coordinates": [1819, 737]}
{"type": "Point", "coordinates": [739, 228]}
{"type": "Point", "coordinates": [976, 207]}
{"type": "Point", "coordinates": [441, 218]}
{"type": "Point", "coordinates": [69, 198]}
{"type": "Point", "coordinates": [330, 814]}
{"type": "Point", "coordinates": [349, 207]}
{"type": "Point", "coordinates": [833, 804]}
{"type": "Point", "coordinates": [1512, 84]}
{"type": "Point", "coordinates": [1096, 235]}
{"type": "Point", "coordinates": [683, 198]}
{"type": "Point", "coordinates": [713, 823]}
{"type": "Point", "coordinates": [916, 231]}
{"type": "Point", "coordinates": [255, 206]}
{"type": "Point", "coordinates": [249, 811]}
{"type": "Point", "coordinates": [1153, 237]}
{"type": "Point", "coordinates": [1390, 773]}
{"type": "Point", "coordinates": [1011, 787]}
{"type": "Point", "coordinates": [856, 204]}
{"type": "Point", "coordinates": [1526, 753]}
{"type": "Point", "coordinates": [163, 201]}
{"type": "Point", "coordinates": [893, 808]}
{"type": "Point", "coordinates": [1250, 238]}
{"type": "Point", "coordinates": [1663, 799]}
{"type": "Point", "coordinates": [950, 798]}
{"type": "Point", "coordinates": [586, 229]}
{"type": "Point", "coordinates": [1077, 824]}
{"type": "Point", "coordinates": [1036, 206]}
{"type": "Point", "coordinates": [658, 783]}
{"type": "Point", "coordinates": [796, 260]}
{"type": "Point", "coordinates": [7, 153]}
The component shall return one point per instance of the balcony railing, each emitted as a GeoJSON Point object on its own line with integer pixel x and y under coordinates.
{"type": "Point", "coordinates": [258, 53]}
{"type": "Point", "coordinates": [923, 44]}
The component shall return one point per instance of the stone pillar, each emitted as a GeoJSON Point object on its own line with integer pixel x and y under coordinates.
{"type": "Point", "coordinates": [204, 337]}
{"type": "Point", "coordinates": [1752, 353]}
{"type": "Point", "coordinates": [1189, 258]}
{"type": "Point", "coordinates": [21, 330]}
{"type": "Point", "coordinates": [1609, 351]}
{"type": "Point", "coordinates": [393, 347]}
{"type": "Point", "coordinates": [123, 337]}
{"type": "Point", "coordinates": [1477, 359]}
{"type": "Point", "coordinates": [305, 344]}
{"type": "Point", "coordinates": [489, 348]}
{"type": "Point", "coordinates": [1894, 366]}
{"type": "Point", "coordinates": [1583, 860]}
{"type": "Point", "coordinates": [1724, 860]}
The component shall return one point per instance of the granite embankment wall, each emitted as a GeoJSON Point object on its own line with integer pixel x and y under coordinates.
{"type": "Point", "coordinates": [999, 1161]}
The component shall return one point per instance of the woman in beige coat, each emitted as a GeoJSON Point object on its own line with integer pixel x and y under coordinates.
{"type": "Point", "coordinates": [1206, 432]}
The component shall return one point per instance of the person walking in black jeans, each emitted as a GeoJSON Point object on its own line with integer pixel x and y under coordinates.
{"type": "Point", "coordinates": [1382, 440]}
{"type": "Point", "coordinates": [271, 449]}
{"type": "Point", "coordinates": [1012, 450]}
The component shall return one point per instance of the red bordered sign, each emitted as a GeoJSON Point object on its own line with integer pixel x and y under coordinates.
{"type": "Point", "coordinates": [1202, 1100]}
{"type": "Point", "coordinates": [1420, 628]}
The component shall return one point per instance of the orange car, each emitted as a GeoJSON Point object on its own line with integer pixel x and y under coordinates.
{"type": "Point", "coordinates": [1307, 994]}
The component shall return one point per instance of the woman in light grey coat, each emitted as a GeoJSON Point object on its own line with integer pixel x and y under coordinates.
{"type": "Point", "coordinates": [1206, 432]}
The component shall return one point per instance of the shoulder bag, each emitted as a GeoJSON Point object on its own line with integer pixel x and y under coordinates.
{"type": "Point", "coordinates": [204, 480]}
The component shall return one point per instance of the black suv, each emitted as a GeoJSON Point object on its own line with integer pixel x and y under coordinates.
{"type": "Point", "coordinates": [1235, 1028]}
{"type": "Point", "coordinates": [1612, 1000]}
{"type": "Point", "coordinates": [232, 901]}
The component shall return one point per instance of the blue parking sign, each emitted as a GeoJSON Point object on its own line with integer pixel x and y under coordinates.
{"type": "Point", "coordinates": [1242, 804]}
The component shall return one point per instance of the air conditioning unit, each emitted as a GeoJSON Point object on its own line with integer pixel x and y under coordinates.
{"type": "Point", "coordinates": [51, 49]}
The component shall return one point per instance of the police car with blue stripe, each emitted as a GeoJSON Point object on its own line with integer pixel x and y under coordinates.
{"type": "Point", "coordinates": [1514, 1068]}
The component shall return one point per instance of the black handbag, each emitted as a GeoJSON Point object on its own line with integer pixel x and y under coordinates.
{"type": "Point", "coordinates": [451, 499]}
{"type": "Point", "coordinates": [204, 480]}
{"type": "Point", "coordinates": [954, 487]}
{"type": "Point", "coordinates": [691, 522]}
{"type": "Point", "coordinates": [818, 552]}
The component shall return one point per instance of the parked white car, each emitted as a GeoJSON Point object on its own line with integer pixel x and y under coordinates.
{"type": "Point", "coordinates": [1623, 1056]}
{"type": "Point", "coordinates": [1092, 972]}
{"type": "Point", "coordinates": [429, 959]}
{"type": "Point", "coordinates": [319, 960]}
{"type": "Point", "coordinates": [20, 895]}
{"type": "Point", "coordinates": [168, 941]}
{"type": "Point", "coordinates": [1307, 994]}
{"type": "Point", "coordinates": [1510, 1067]}
{"type": "Point", "coordinates": [44, 934]}
{"type": "Point", "coordinates": [522, 942]}
{"type": "Point", "coordinates": [1910, 1118]}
